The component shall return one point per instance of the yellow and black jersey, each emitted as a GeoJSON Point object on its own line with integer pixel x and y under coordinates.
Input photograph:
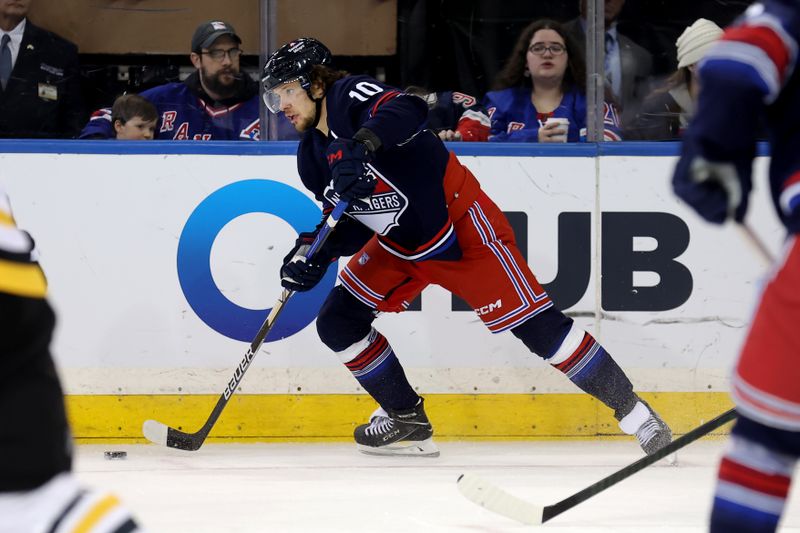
{"type": "Point", "coordinates": [20, 273]}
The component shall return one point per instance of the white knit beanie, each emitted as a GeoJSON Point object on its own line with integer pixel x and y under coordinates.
{"type": "Point", "coordinates": [695, 41]}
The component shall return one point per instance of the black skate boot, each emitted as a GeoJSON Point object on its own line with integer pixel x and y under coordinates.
{"type": "Point", "coordinates": [405, 432]}
{"type": "Point", "coordinates": [651, 432]}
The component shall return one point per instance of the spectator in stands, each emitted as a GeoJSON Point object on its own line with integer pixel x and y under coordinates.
{"type": "Point", "coordinates": [216, 102]}
{"type": "Point", "coordinates": [132, 116]}
{"type": "Point", "coordinates": [40, 93]}
{"type": "Point", "coordinates": [454, 116]}
{"type": "Point", "coordinates": [666, 111]}
{"type": "Point", "coordinates": [628, 66]}
{"type": "Point", "coordinates": [539, 95]}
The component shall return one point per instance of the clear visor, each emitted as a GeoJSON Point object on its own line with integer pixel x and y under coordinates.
{"type": "Point", "coordinates": [273, 97]}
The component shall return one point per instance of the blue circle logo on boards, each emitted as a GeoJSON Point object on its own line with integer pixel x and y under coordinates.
{"type": "Point", "coordinates": [194, 259]}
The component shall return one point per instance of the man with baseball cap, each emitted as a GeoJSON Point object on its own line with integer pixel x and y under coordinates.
{"type": "Point", "coordinates": [215, 55]}
{"type": "Point", "coordinates": [216, 102]}
{"type": "Point", "coordinates": [205, 34]}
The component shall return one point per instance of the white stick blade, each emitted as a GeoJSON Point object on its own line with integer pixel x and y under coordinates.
{"type": "Point", "coordinates": [155, 432]}
{"type": "Point", "coordinates": [488, 496]}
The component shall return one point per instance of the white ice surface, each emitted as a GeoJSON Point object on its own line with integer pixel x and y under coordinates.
{"type": "Point", "coordinates": [227, 488]}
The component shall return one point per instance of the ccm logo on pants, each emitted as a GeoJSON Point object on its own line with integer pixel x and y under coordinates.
{"type": "Point", "coordinates": [486, 309]}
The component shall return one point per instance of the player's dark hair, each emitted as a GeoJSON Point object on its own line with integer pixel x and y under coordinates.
{"type": "Point", "coordinates": [326, 76]}
{"type": "Point", "coordinates": [513, 72]}
{"type": "Point", "coordinates": [129, 106]}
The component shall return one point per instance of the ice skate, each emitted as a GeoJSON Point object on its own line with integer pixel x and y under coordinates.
{"type": "Point", "coordinates": [651, 432]}
{"type": "Point", "coordinates": [406, 432]}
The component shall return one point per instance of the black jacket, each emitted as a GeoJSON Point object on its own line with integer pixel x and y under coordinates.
{"type": "Point", "coordinates": [43, 96]}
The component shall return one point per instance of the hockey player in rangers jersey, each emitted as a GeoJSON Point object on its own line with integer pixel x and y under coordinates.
{"type": "Point", "coordinates": [417, 217]}
{"type": "Point", "coordinates": [748, 76]}
{"type": "Point", "coordinates": [38, 493]}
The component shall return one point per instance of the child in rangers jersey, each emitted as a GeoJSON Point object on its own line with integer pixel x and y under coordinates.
{"type": "Point", "coordinates": [134, 118]}
{"type": "Point", "coordinates": [753, 70]}
{"type": "Point", "coordinates": [417, 216]}
{"type": "Point", "coordinates": [37, 491]}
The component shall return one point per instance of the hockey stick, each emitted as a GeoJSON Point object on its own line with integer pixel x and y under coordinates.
{"type": "Point", "coordinates": [755, 242]}
{"type": "Point", "coordinates": [499, 501]}
{"type": "Point", "coordinates": [164, 435]}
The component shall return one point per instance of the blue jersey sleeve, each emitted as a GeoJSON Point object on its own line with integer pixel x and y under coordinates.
{"type": "Point", "coordinates": [498, 130]}
{"type": "Point", "coordinates": [99, 126]}
{"type": "Point", "coordinates": [740, 75]}
{"type": "Point", "coordinates": [612, 130]}
{"type": "Point", "coordinates": [357, 102]}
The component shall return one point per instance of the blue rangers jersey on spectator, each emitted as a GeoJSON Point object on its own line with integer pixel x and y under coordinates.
{"type": "Point", "coordinates": [752, 70]}
{"type": "Point", "coordinates": [515, 119]}
{"type": "Point", "coordinates": [186, 112]}
{"type": "Point", "coordinates": [408, 210]}
{"type": "Point", "coordinates": [460, 112]}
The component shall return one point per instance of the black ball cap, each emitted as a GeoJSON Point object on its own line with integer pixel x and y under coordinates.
{"type": "Point", "coordinates": [208, 32]}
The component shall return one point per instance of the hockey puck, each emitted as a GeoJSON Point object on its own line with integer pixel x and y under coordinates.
{"type": "Point", "coordinates": [115, 455]}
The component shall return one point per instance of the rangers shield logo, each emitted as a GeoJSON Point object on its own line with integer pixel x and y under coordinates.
{"type": "Point", "coordinates": [381, 211]}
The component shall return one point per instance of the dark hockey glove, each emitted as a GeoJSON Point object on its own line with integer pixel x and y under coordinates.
{"type": "Point", "coordinates": [348, 160]}
{"type": "Point", "coordinates": [300, 274]}
{"type": "Point", "coordinates": [713, 189]}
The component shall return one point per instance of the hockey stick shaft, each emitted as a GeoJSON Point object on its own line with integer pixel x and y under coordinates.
{"type": "Point", "coordinates": [495, 499]}
{"type": "Point", "coordinates": [579, 497]}
{"type": "Point", "coordinates": [556, 509]}
{"type": "Point", "coordinates": [173, 438]}
{"type": "Point", "coordinates": [755, 242]}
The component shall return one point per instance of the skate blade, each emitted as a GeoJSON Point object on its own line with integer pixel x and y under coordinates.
{"type": "Point", "coordinates": [422, 448]}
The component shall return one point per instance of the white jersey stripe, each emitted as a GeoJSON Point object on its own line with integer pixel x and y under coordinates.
{"type": "Point", "coordinates": [361, 285]}
{"type": "Point", "coordinates": [750, 498]}
{"type": "Point", "coordinates": [763, 407]}
{"type": "Point", "coordinates": [760, 458]}
{"type": "Point", "coordinates": [525, 292]}
{"type": "Point", "coordinates": [752, 56]}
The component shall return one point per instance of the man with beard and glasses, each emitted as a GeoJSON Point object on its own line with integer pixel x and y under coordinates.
{"type": "Point", "coordinates": [216, 102]}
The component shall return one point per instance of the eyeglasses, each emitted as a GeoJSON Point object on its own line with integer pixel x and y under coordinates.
{"type": "Point", "coordinates": [539, 49]}
{"type": "Point", "coordinates": [218, 54]}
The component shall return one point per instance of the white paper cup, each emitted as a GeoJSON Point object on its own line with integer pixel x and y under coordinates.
{"type": "Point", "coordinates": [563, 125]}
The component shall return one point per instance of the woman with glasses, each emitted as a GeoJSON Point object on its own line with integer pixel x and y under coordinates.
{"type": "Point", "coordinates": [540, 94]}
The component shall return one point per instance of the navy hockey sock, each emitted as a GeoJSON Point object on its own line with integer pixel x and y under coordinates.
{"type": "Point", "coordinates": [374, 364]}
{"type": "Point", "coordinates": [555, 337]}
{"type": "Point", "coordinates": [587, 364]}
